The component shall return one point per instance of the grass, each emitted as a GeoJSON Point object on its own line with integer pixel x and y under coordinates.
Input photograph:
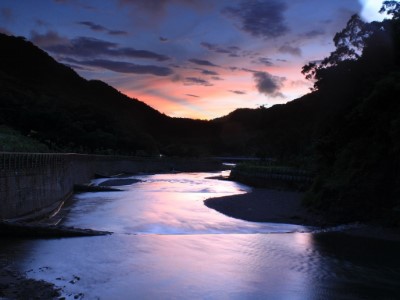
{"type": "Point", "coordinates": [13, 141]}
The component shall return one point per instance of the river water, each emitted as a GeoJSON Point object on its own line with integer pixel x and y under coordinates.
{"type": "Point", "coordinates": [168, 245]}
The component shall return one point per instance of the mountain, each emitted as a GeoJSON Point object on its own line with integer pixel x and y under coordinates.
{"type": "Point", "coordinates": [347, 131]}
{"type": "Point", "coordinates": [50, 102]}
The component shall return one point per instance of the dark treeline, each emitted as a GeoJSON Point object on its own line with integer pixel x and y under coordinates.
{"type": "Point", "coordinates": [357, 149]}
{"type": "Point", "coordinates": [347, 130]}
{"type": "Point", "coordinates": [51, 103]}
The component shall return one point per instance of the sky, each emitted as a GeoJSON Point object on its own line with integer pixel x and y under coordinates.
{"type": "Point", "coordinates": [188, 58]}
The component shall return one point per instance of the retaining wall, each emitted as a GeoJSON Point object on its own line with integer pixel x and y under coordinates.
{"type": "Point", "coordinates": [31, 183]}
{"type": "Point", "coordinates": [280, 179]}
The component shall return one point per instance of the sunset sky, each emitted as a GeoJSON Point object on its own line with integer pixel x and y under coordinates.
{"type": "Point", "coordinates": [188, 58]}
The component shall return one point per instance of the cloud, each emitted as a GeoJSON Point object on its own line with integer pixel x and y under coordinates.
{"type": "Point", "coordinates": [76, 67]}
{"type": "Point", "coordinates": [268, 84]}
{"type": "Point", "coordinates": [48, 40]}
{"type": "Point", "coordinates": [313, 33]}
{"type": "Point", "coordinates": [131, 52]}
{"type": "Point", "coordinates": [214, 47]}
{"type": "Point", "coordinates": [249, 70]}
{"type": "Point", "coordinates": [216, 78]}
{"type": "Point", "coordinates": [260, 18]}
{"type": "Point", "coordinates": [159, 6]}
{"type": "Point", "coordinates": [238, 92]}
{"type": "Point", "coordinates": [89, 47]}
{"type": "Point", "coordinates": [231, 51]}
{"type": "Point", "coordinates": [125, 67]}
{"type": "Point", "coordinates": [295, 51]}
{"type": "Point", "coordinates": [40, 22]}
{"type": "Point", "coordinates": [264, 61]}
{"type": "Point", "coordinates": [5, 31]}
{"type": "Point", "coordinates": [100, 28]}
{"type": "Point", "coordinates": [202, 62]}
{"type": "Point", "coordinates": [93, 26]}
{"type": "Point", "coordinates": [117, 32]}
{"type": "Point", "coordinates": [299, 83]}
{"type": "Point", "coordinates": [207, 72]}
{"type": "Point", "coordinates": [196, 81]}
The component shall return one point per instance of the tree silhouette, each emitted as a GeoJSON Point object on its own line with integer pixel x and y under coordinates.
{"type": "Point", "coordinates": [371, 42]}
{"type": "Point", "coordinates": [391, 8]}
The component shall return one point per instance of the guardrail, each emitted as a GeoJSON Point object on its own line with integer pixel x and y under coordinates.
{"type": "Point", "coordinates": [11, 161]}
{"type": "Point", "coordinates": [18, 161]}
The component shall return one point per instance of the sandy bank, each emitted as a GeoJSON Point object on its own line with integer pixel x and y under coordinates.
{"type": "Point", "coordinates": [272, 206]}
{"type": "Point", "coordinates": [264, 205]}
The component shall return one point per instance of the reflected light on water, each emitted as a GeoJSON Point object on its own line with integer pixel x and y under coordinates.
{"type": "Point", "coordinates": [166, 204]}
{"type": "Point", "coordinates": [164, 247]}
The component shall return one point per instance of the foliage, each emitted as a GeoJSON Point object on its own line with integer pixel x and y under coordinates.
{"type": "Point", "coordinates": [13, 141]}
{"type": "Point", "coordinates": [357, 153]}
{"type": "Point", "coordinates": [70, 114]}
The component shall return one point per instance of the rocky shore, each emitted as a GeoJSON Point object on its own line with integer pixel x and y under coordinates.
{"type": "Point", "coordinates": [16, 286]}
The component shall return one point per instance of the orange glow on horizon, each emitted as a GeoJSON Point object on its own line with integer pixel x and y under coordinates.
{"type": "Point", "coordinates": [236, 90]}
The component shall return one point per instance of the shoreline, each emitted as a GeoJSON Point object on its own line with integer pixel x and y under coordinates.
{"type": "Point", "coordinates": [15, 285]}
{"type": "Point", "coordinates": [266, 205]}
{"type": "Point", "coordinates": [275, 206]}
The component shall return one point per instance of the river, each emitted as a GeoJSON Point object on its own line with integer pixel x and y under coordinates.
{"type": "Point", "coordinates": [168, 245]}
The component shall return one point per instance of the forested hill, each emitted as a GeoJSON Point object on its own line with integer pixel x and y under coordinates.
{"type": "Point", "coordinates": [347, 130]}
{"type": "Point", "coordinates": [51, 103]}
{"type": "Point", "coordinates": [357, 154]}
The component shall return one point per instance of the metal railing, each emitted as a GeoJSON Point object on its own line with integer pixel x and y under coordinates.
{"type": "Point", "coordinates": [20, 161]}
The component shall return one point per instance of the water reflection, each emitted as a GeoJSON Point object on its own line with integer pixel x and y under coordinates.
{"type": "Point", "coordinates": [171, 267]}
{"type": "Point", "coordinates": [166, 204]}
{"type": "Point", "coordinates": [235, 266]}
{"type": "Point", "coordinates": [194, 263]}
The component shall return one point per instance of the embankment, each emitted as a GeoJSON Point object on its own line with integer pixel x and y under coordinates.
{"type": "Point", "coordinates": [34, 184]}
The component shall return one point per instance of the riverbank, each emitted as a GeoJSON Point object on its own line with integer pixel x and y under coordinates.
{"type": "Point", "coordinates": [266, 205]}
{"type": "Point", "coordinates": [273, 206]}
{"type": "Point", "coordinates": [14, 285]}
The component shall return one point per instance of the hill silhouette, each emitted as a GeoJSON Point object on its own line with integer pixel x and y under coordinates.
{"type": "Point", "coordinates": [347, 130]}
{"type": "Point", "coordinates": [52, 103]}
{"type": "Point", "coordinates": [356, 153]}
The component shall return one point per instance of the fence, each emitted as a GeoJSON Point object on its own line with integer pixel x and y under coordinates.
{"type": "Point", "coordinates": [273, 177]}
{"type": "Point", "coordinates": [33, 183]}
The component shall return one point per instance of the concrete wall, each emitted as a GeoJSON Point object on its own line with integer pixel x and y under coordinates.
{"type": "Point", "coordinates": [34, 183]}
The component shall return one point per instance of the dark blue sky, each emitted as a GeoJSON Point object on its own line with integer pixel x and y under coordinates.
{"type": "Point", "coordinates": [188, 58]}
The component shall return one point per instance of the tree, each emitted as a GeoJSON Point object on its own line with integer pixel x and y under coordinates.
{"type": "Point", "coordinates": [349, 44]}
{"type": "Point", "coordinates": [391, 8]}
{"type": "Point", "coordinates": [356, 40]}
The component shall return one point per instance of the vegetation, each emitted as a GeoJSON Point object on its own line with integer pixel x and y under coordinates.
{"type": "Point", "coordinates": [13, 141]}
{"type": "Point", "coordinates": [346, 131]}
{"type": "Point", "coordinates": [269, 174]}
{"type": "Point", "coordinates": [357, 154]}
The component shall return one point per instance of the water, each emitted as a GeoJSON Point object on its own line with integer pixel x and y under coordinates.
{"type": "Point", "coordinates": [168, 245]}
